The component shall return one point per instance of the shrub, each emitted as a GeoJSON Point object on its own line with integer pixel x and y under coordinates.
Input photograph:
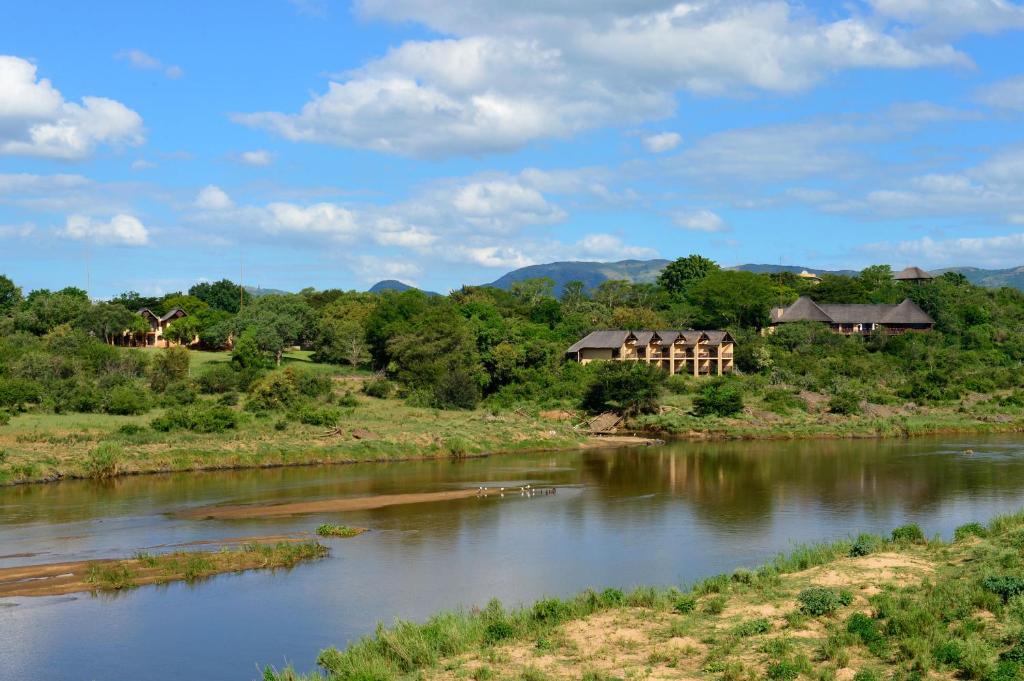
{"type": "Point", "coordinates": [1004, 586]}
{"type": "Point", "coordinates": [5, 418]}
{"type": "Point", "coordinates": [103, 461]}
{"type": "Point", "coordinates": [179, 392]}
{"type": "Point", "coordinates": [911, 534]}
{"type": "Point", "coordinates": [277, 390]}
{"type": "Point", "coordinates": [378, 387]}
{"type": "Point", "coordinates": [844, 402]}
{"type": "Point", "coordinates": [969, 530]}
{"type": "Point", "coordinates": [551, 611]}
{"type": "Point", "coordinates": [317, 416]}
{"type": "Point", "coordinates": [169, 365]}
{"type": "Point", "coordinates": [783, 401]}
{"type": "Point", "coordinates": [761, 625]}
{"type": "Point", "coordinates": [719, 398]}
{"type": "Point", "coordinates": [15, 393]}
{"type": "Point", "coordinates": [868, 631]}
{"type": "Point", "coordinates": [200, 418]}
{"type": "Point", "coordinates": [864, 545]}
{"type": "Point", "coordinates": [329, 530]}
{"type": "Point", "coordinates": [131, 429]}
{"type": "Point", "coordinates": [685, 604]}
{"type": "Point", "coordinates": [312, 383]}
{"type": "Point", "coordinates": [498, 631]}
{"type": "Point", "coordinates": [866, 675]}
{"type": "Point", "coordinates": [678, 384]}
{"type": "Point", "coordinates": [820, 600]}
{"type": "Point", "coordinates": [127, 399]}
{"type": "Point", "coordinates": [628, 388]}
{"type": "Point", "coordinates": [219, 378]}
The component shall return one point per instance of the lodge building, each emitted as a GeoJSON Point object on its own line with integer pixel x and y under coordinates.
{"type": "Point", "coordinates": [856, 319]}
{"type": "Point", "coordinates": [697, 353]}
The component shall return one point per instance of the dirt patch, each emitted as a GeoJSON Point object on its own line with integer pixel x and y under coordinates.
{"type": "Point", "coordinates": [335, 505]}
{"type": "Point", "coordinates": [867, 572]}
{"type": "Point", "coordinates": [557, 415]}
{"type": "Point", "coordinates": [598, 442]}
{"type": "Point", "coordinates": [816, 402]}
{"type": "Point", "coordinates": [364, 434]}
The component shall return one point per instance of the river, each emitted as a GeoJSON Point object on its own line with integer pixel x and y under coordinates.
{"type": "Point", "coordinates": [657, 515]}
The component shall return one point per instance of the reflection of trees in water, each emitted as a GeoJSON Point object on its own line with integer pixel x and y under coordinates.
{"type": "Point", "coordinates": [729, 483]}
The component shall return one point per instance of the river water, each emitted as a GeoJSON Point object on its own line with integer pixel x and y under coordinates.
{"type": "Point", "coordinates": [658, 515]}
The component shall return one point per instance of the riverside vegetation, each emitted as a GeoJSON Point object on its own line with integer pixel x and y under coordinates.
{"type": "Point", "coordinates": [896, 607]}
{"type": "Point", "coordinates": [399, 375]}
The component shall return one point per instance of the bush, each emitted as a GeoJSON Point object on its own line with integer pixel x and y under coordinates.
{"type": "Point", "coordinates": [969, 530]}
{"type": "Point", "coordinates": [103, 461]}
{"type": "Point", "coordinates": [685, 604]}
{"type": "Point", "coordinates": [127, 400]}
{"type": "Point", "coordinates": [678, 384]}
{"type": "Point", "coordinates": [820, 600]}
{"type": "Point", "coordinates": [15, 393]}
{"type": "Point", "coordinates": [719, 398]}
{"type": "Point", "coordinates": [551, 611]}
{"type": "Point", "coordinates": [311, 383]}
{"type": "Point", "coordinates": [782, 401]}
{"type": "Point", "coordinates": [179, 392]}
{"type": "Point", "coordinates": [864, 545]}
{"type": "Point", "coordinates": [317, 416]}
{"type": "Point", "coordinates": [200, 418]}
{"type": "Point", "coordinates": [5, 418]}
{"type": "Point", "coordinates": [277, 390]}
{"type": "Point", "coordinates": [169, 365]}
{"type": "Point", "coordinates": [844, 402]}
{"type": "Point", "coordinates": [911, 534]}
{"type": "Point", "coordinates": [378, 387]}
{"type": "Point", "coordinates": [1004, 586]}
{"type": "Point", "coordinates": [219, 378]}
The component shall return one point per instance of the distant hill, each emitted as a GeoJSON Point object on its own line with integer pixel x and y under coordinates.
{"type": "Point", "coordinates": [256, 291]}
{"type": "Point", "coordinates": [395, 285]}
{"type": "Point", "coordinates": [1012, 277]}
{"type": "Point", "coordinates": [590, 273]}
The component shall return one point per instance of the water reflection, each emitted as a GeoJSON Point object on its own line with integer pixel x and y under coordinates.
{"type": "Point", "coordinates": [620, 517]}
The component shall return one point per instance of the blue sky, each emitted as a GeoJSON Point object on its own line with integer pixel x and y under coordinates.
{"type": "Point", "coordinates": [330, 144]}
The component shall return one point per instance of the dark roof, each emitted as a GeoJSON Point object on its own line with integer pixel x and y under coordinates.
{"type": "Point", "coordinates": [170, 315]}
{"type": "Point", "coordinates": [912, 274]}
{"type": "Point", "coordinates": [614, 339]}
{"type": "Point", "coordinates": [600, 339]}
{"type": "Point", "coordinates": [805, 309]}
{"type": "Point", "coordinates": [644, 338]}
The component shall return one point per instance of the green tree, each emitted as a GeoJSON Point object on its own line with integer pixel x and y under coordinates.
{"type": "Point", "coordinates": [276, 322]}
{"type": "Point", "coordinates": [222, 295]}
{"type": "Point", "coordinates": [627, 388]}
{"type": "Point", "coordinates": [10, 295]}
{"type": "Point", "coordinates": [573, 294]}
{"type": "Point", "coordinates": [109, 320]}
{"type": "Point", "coordinates": [733, 298]}
{"type": "Point", "coordinates": [182, 330]}
{"type": "Point", "coordinates": [341, 330]}
{"type": "Point", "coordinates": [682, 273]}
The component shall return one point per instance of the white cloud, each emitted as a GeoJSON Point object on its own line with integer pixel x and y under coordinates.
{"type": "Point", "coordinates": [662, 142]}
{"type": "Point", "coordinates": [212, 197]}
{"type": "Point", "coordinates": [141, 60]}
{"type": "Point", "coordinates": [35, 120]}
{"type": "Point", "coordinates": [610, 247]}
{"type": "Point", "coordinates": [256, 157]}
{"type": "Point", "coordinates": [501, 205]}
{"type": "Point", "coordinates": [1016, 219]}
{"type": "Point", "coordinates": [700, 221]}
{"type": "Point", "coordinates": [1006, 94]}
{"type": "Point", "coordinates": [954, 17]}
{"type": "Point", "coordinates": [142, 164]}
{"type": "Point", "coordinates": [512, 74]}
{"type": "Point", "coordinates": [21, 231]}
{"type": "Point", "coordinates": [505, 257]}
{"type": "Point", "coordinates": [319, 218]}
{"type": "Point", "coordinates": [990, 251]}
{"type": "Point", "coordinates": [373, 269]}
{"type": "Point", "coordinates": [125, 230]}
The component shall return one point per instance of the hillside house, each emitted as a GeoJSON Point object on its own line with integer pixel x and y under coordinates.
{"type": "Point", "coordinates": [158, 325]}
{"type": "Point", "coordinates": [914, 275]}
{"type": "Point", "coordinates": [856, 319]}
{"type": "Point", "coordinates": [698, 353]}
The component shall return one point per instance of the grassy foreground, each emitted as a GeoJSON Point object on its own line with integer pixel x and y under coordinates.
{"type": "Point", "coordinates": [899, 607]}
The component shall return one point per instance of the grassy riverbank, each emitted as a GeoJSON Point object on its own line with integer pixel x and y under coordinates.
{"type": "Point", "coordinates": [39, 446]}
{"type": "Point", "coordinates": [147, 568]}
{"type": "Point", "coordinates": [898, 607]}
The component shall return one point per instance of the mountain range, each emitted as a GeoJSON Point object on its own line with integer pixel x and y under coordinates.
{"type": "Point", "coordinates": [646, 271]}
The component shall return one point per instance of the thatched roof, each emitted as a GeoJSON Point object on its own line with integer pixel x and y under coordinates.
{"type": "Point", "coordinates": [912, 274]}
{"type": "Point", "coordinates": [171, 314]}
{"type": "Point", "coordinates": [806, 310]}
{"type": "Point", "coordinates": [604, 340]}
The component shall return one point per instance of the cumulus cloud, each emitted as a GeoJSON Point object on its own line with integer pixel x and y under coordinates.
{"type": "Point", "coordinates": [319, 218]}
{"type": "Point", "coordinates": [986, 251]}
{"type": "Point", "coordinates": [611, 247]}
{"type": "Point", "coordinates": [35, 119]}
{"type": "Point", "coordinates": [141, 60]}
{"type": "Point", "coordinates": [1006, 94]}
{"type": "Point", "coordinates": [512, 74]}
{"type": "Point", "coordinates": [374, 268]}
{"type": "Point", "coordinates": [212, 197]}
{"type": "Point", "coordinates": [123, 230]}
{"type": "Point", "coordinates": [501, 205]}
{"type": "Point", "coordinates": [662, 142]}
{"type": "Point", "coordinates": [954, 17]}
{"type": "Point", "coordinates": [700, 221]}
{"type": "Point", "coordinates": [256, 157]}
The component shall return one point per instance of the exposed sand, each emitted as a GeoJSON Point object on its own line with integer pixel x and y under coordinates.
{"type": "Point", "coordinates": [335, 505]}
